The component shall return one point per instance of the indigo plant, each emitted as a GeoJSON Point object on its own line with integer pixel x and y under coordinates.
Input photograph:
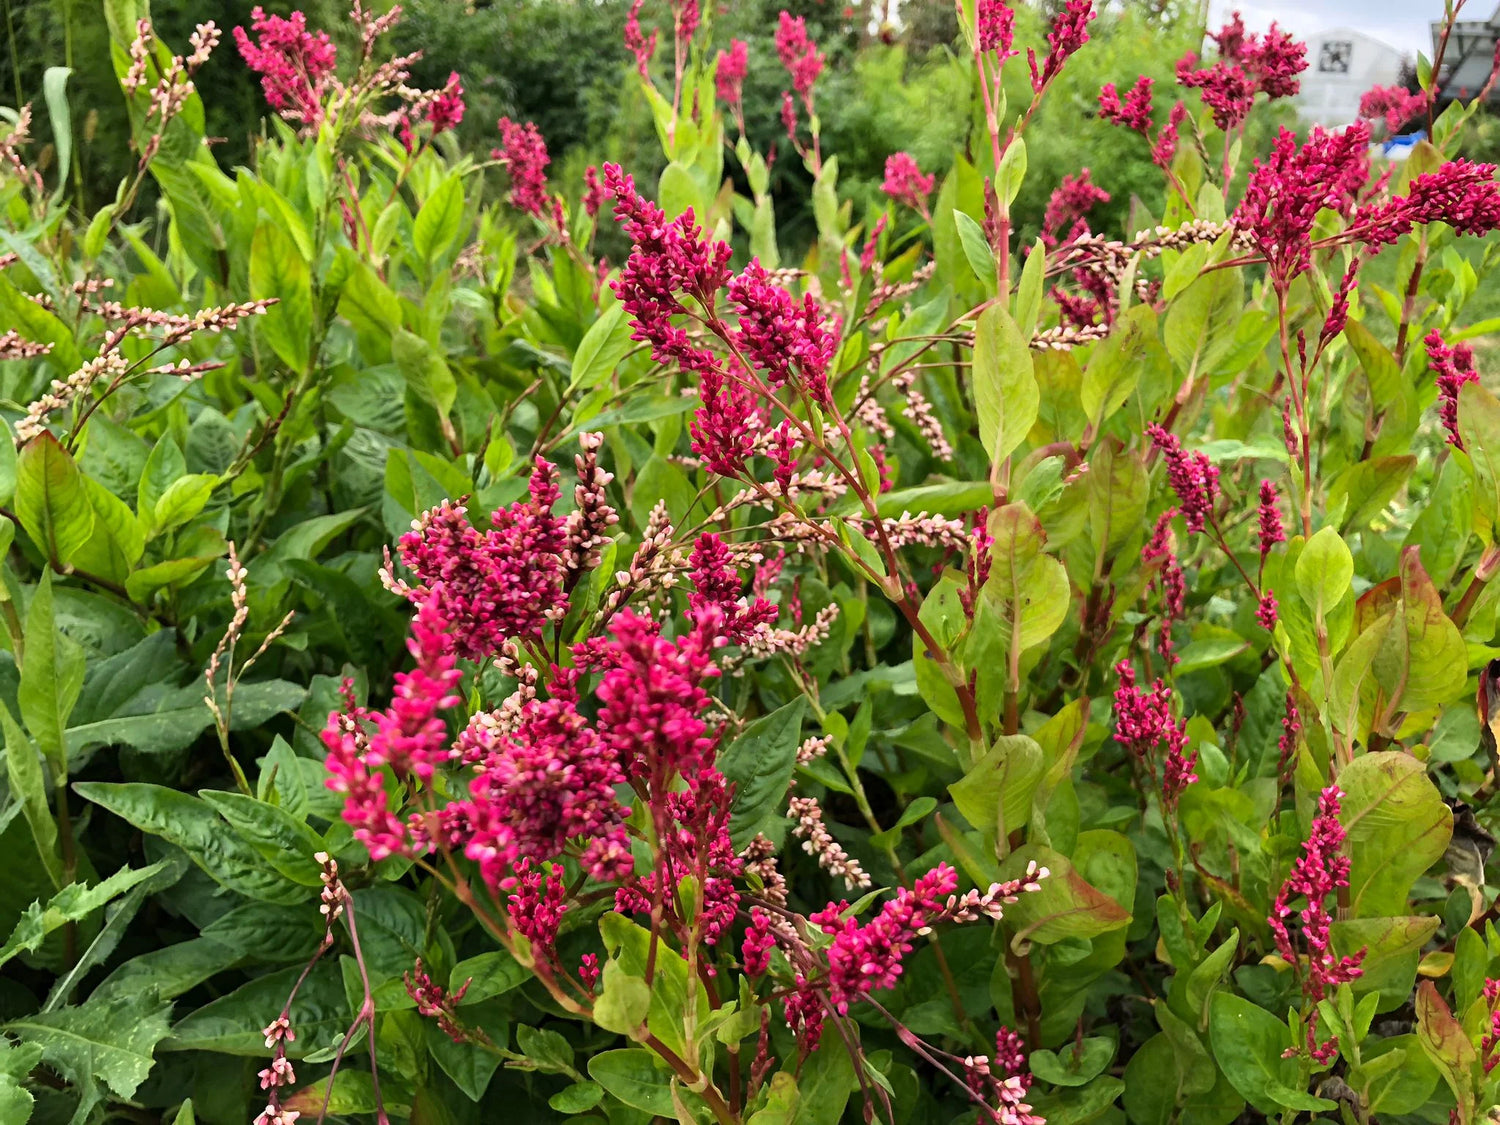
{"type": "Point", "coordinates": [925, 675]}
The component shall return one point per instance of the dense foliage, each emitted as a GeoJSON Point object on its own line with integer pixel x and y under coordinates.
{"type": "Point", "coordinates": [973, 669]}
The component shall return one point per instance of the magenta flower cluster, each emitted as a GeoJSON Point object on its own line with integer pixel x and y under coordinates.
{"type": "Point", "coordinates": [1248, 64]}
{"type": "Point", "coordinates": [1268, 529]}
{"type": "Point", "coordinates": [1069, 32]}
{"type": "Point", "coordinates": [905, 183]}
{"type": "Point", "coordinates": [798, 53]}
{"type": "Point", "coordinates": [1070, 203]}
{"type": "Point", "coordinates": [730, 69]}
{"type": "Point", "coordinates": [785, 340]}
{"type": "Point", "coordinates": [995, 24]}
{"type": "Point", "coordinates": [1392, 104]}
{"type": "Point", "coordinates": [447, 109]}
{"type": "Point", "coordinates": [524, 153]}
{"type": "Point", "coordinates": [1318, 872]}
{"type": "Point", "coordinates": [1453, 367]}
{"type": "Point", "coordinates": [502, 583]}
{"type": "Point", "coordinates": [865, 958]}
{"type": "Point", "coordinates": [294, 64]}
{"type": "Point", "coordinates": [1192, 476]}
{"type": "Point", "coordinates": [789, 341]}
{"type": "Point", "coordinates": [1288, 189]}
{"type": "Point", "coordinates": [1143, 722]}
{"type": "Point", "coordinates": [1135, 111]}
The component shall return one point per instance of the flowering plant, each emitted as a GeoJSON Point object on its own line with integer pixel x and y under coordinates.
{"type": "Point", "coordinates": [950, 679]}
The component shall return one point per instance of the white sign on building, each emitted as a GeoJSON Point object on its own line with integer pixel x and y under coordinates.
{"type": "Point", "coordinates": [1342, 64]}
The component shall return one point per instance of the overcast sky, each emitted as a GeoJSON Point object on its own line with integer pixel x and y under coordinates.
{"type": "Point", "coordinates": [1403, 24]}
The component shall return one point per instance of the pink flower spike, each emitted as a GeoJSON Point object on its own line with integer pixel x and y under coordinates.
{"type": "Point", "coordinates": [1192, 476]}
{"type": "Point", "coordinates": [1318, 872]}
{"type": "Point", "coordinates": [1265, 610]}
{"type": "Point", "coordinates": [1070, 31]}
{"type": "Point", "coordinates": [790, 341]}
{"type": "Point", "coordinates": [800, 56]}
{"type": "Point", "coordinates": [447, 109]}
{"type": "Point", "coordinates": [643, 47]}
{"type": "Point", "coordinates": [995, 24]}
{"type": "Point", "coordinates": [294, 64]}
{"type": "Point", "coordinates": [730, 69]}
{"type": "Point", "coordinates": [1288, 189]}
{"type": "Point", "coordinates": [905, 183]}
{"type": "Point", "coordinates": [1134, 112]}
{"type": "Point", "coordinates": [1143, 721]}
{"type": "Point", "coordinates": [1268, 522]}
{"type": "Point", "coordinates": [524, 153]}
{"type": "Point", "coordinates": [1071, 201]}
{"type": "Point", "coordinates": [1453, 367]}
{"type": "Point", "coordinates": [1393, 105]}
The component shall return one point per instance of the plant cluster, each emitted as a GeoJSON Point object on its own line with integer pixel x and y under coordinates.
{"type": "Point", "coordinates": [950, 678]}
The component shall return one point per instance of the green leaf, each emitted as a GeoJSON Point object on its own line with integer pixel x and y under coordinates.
{"type": "Point", "coordinates": [1446, 1042]}
{"type": "Point", "coordinates": [438, 221]}
{"type": "Point", "coordinates": [623, 1003]}
{"type": "Point", "coordinates": [1115, 365]}
{"type": "Point", "coordinates": [51, 678]}
{"type": "Point", "coordinates": [976, 248]}
{"type": "Point", "coordinates": [824, 1085]}
{"type": "Point", "coordinates": [1118, 489]}
{"type": "Point", "coordinates": [51, 500]}
{"type": "Point", "coordinates": [1006, 395]}
{"type": "Point", "coordinates": [631, 944]}
{"type": "Point", "coordinates": [947, 498]}
{"type": "Point", "coordinates": [8, 463]}
{"type": "Point", "coordinates": [1324, 571]}
{"type": "Point", "coordinates": [1247, 1043]}
{"type": "Point", "coordinates": [1200, 324]}
{"type": "Point", "coordinates": [118, 540]}
{"type": "Point", "coordinates": [1066, 906]}
{"type": "Point", "coordinates": [1479, 428]}
{"type": "Point", "coordinates": [28, 785]}
{"type": "Point", "coordinates": [1397, 1073]}
{"type": "Point", "coordinates": [1209, 652]}
{"type": "Point", "coordinates": [111, 1041]}
{"type": "Point", "coordinates": [760, 763]}
{"type": "Point", "coordinates": [164, 465]}
{"type": "Point", "coordinates": [1392, 949]}
{"type": "Point", "coordinates": [679, 190]}
{"type": "Point", "coordinates": [1398, 827]}
{"type": "Point", "coordinates": [277, 269]}
{"type": "Point", "coordinates": [1027, 587]}
{"type": "Point", "coordinates": [426, 372]}
{"type": "Point", "coordinates": [633, 1075]}
{"type": "Point", "coordinates": [1076, 1065]}
{"type": "Point", "coordinates": [470, 1065]}
{"type": "Point", "coordinates": [1422, 661]}
{"type": "Point", "coordinates": [602, 348]}
{"type": "Point", "coordinates": [995, 795]}
{"type": "Point", "coordinates": [1011, 173]}
{"type": "Point", "coordinates": [55, 92]}
{"type": "Point", "coordinates": [192, 825]}
{"type": "Point", "coordinates": [33, 322]}
{"type": "Point", "coordinates": [230, 1024]}
{"type": "Point", "coordinates": [71, 904]}
{"type": "Point", "coordinates": [487, 975]}
{"type": "Point", "coordinates": [576, 1098]}
{"type": "Point", "coordinates": [283, 841]}
{"type": "Point", "coordinates": [184, 498]}
{"type": "Point", "coordinates": [1206, 975]}
{"type": "Point", "coordinates": [1160, 1080]}
{"type": "Point", "coordinates": [118, 917]}
{"type": "Point", "coordinates": [1029, 290]}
